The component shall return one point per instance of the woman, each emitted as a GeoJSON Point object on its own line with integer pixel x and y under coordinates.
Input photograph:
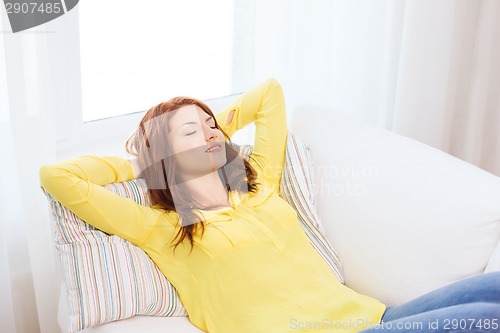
{"type": "Point", "coordinates": [230, 245]}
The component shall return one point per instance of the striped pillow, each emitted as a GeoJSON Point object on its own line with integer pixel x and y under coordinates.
{"type": "Point", "coordinates": [108, 278]}
{"type": "Point", "coordinates": [297, 189]}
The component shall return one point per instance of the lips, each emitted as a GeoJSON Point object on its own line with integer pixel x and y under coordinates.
{"type": "Point", "coordinates": [213, 147]}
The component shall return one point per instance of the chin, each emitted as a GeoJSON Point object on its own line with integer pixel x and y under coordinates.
{"type": "Point", "coordinates": [219, 161]}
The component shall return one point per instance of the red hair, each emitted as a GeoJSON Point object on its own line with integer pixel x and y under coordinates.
{"type": "Point", "coordinates": [150, 145]}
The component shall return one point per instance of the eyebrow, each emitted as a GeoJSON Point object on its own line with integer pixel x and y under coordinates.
{"type": "Point", "coordinates": [194, 123]}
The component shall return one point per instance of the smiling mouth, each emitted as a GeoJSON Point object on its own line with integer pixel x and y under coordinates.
{"type": "Point", "coordinates": [215, 147]}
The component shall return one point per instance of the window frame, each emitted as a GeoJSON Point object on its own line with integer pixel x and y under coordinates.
{"type": "Point", "coordinates": [75, 137]}
{"type": "Point", "coordinates": [108, 136]}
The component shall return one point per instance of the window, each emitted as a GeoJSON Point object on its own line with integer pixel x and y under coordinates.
{"type": "Point", "coordinates": [137, 54]}
{"type": "Point", "coordinates": [122, 62]}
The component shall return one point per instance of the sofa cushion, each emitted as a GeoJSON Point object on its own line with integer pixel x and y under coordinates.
{"type": "Point", "coordinates": [147, 324]}
{"type": "Point", "coordinates": [108, 278]}
{"type": "Point", "coordinates": [297, 188]}
{"type": "Point", "coordinates": [405, 218]}
{"type": "Point", "coordinates": [494, 263]}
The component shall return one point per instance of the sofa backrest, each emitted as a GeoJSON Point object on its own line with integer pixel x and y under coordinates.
{"type": "Point", "coordinates": [404, 218]}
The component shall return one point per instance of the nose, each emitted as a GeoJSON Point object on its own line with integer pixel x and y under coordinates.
{"type": "Point", "coordinates": [210, 134]}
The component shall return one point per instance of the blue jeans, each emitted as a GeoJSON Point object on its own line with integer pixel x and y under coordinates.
{"type": "Point", "coordinates": [470, 305]}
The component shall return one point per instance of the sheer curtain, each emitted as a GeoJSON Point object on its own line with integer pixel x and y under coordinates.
{"type": "Point", "coordinates": [426, 69]}
{"type": "Point", "coordinates": [457, 105]}
{"type": "Point", "coordinates": [29, 78]}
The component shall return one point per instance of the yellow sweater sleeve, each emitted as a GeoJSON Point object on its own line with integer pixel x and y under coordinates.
{"type": "Point", "coordinates": [264, 105]}
{"type": "Point", "coordinates": [78, 185]}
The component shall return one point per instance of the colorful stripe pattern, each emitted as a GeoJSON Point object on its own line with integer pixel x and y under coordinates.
{"type": "Point", "coordinates": [297, 189]}
{"type": "Point", "coordinates": [108, 278]}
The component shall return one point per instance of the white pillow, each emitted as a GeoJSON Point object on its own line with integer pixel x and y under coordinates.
{"type": "Point", "coordinates": [405, 218]}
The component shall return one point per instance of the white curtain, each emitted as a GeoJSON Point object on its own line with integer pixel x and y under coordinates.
{"type": "Point", "coordinates": [28, 275]}
{"type": "Point", "coordinates": [426, 69]}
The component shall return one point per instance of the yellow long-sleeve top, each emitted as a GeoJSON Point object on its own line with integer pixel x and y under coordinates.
{"type": "Point", "coordinates": [254, 269]}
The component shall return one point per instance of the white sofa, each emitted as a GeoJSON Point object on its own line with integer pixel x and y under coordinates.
{"type": "Point", "coordinates": [403, 217]}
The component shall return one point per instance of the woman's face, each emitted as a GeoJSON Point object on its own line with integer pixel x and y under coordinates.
{"type": "Point", "coordinates": [197, 145]}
